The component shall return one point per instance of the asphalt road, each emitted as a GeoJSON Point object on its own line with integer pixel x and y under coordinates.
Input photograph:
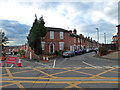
{"type": "Point", "coordinates": [82, 72]}
{"type": "Point", "coordinates": [85, 60]}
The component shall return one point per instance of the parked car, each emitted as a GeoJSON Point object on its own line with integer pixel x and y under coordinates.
{"type": "Point", "coordinates": [68, 53]}
{"type": "Point", "coordinates": [78, 52]}
{"type": "Point", "coordinates": [88, 50]}
{"type": "Point", "coordinates": [83, 50]}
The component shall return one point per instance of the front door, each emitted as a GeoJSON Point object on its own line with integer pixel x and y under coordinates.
{"type": "Point", "coordinates": [51, 48]}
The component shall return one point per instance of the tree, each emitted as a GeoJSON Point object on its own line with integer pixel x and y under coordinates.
{"type": "Point", "coordinates": [37, 31]}
{"type": "Point", "coordinates": [4, 39]}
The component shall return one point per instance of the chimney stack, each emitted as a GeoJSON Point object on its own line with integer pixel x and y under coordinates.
{"type": "Point", "coordinates": [75, 31]}
{"type": "Point", "coordinates": [70, 31]}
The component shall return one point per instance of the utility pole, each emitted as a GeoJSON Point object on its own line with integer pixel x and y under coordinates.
{"type": "Point", "coordinates": [98, 34]}
{"type": "Point", "coordinates": [105, 37]}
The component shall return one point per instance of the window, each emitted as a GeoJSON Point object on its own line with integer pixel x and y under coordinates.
{"type": "Point", "coordinates": [84, 41]}
{"type": "Point", "coordinates": [51, 34]}
{"type": "Point", "coordinates": [78, 40]}
{"type": "Point", "coordinates": [61, 35]}
{"type": "Point", "coordinates": [81, 41]}
{"type": "Point", "coordinates": [61, 45]}
{"type": "Point", "coordinates": [74, 39]}
{"type": "Point", "coordinates": [43, 45]}
{"type": "Point", "coordinates": [42, 37]}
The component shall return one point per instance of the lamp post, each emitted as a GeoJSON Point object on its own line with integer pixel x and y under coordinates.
{"type": "Point", "coordinates": [98, 34]}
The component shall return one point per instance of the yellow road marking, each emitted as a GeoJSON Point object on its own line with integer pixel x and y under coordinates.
{"type": "Point", "coordinates": [19, 72]}
{"type": "Point", "coordinates": [61, 82]}
{"type": "Point", "coordinates": [85, 73]}
{"type": "Point", "coordinates": [44, 73]}
{"type": "Point", "coordinates": [103, 72]}
{"type": "Point", "coordinates": [9, 73]}
{"type": "Point", "coordinates": [63, 78]}
{"type": "Point", "coordinates": [73, 85]}
{"type": "Point", "coordinates": [7, 85]}
{"type": "Point", "coordinates": [20, 86]}
{"type": "Point", "coordinates": [60, 72]}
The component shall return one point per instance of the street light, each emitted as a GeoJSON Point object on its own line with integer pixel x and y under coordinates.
{"type": "Point", "coordinates": [98, 34]}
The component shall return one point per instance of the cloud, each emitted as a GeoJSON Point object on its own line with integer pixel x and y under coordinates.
{"type": "Point", "coordinates": [85, 16]}
{"type": "Point", "coordinates": [15, 31]}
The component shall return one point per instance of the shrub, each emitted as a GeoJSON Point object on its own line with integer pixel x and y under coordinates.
{"type": "Point", "coordinates": [3, 54]}
{"type": "Point", "coordinates": [103, 50]}
{"type": "Point", "coordinates": [22, 52]}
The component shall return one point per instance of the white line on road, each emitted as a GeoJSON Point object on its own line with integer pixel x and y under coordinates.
{"type": "Point", "coordinates": [88, 64]}
{"type": "Point", "coordinates": [54, 63]}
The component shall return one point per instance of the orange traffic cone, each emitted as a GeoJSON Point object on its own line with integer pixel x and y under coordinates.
{"type": "Point", "coordinates": [0, 61]}
{"type": "Point", "coordinates": [47, 59]}
{"type": "Point", "coordinates": [44, 58]}
{"type": "Point", "coordinates": [0, 64]}
{"type": "Point", "coordinates": [19, 63]}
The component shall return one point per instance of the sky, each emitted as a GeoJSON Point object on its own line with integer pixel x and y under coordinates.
{"type": "Point", "coordinates": [17, 17]}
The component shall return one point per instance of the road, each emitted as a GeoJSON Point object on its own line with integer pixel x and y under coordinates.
{"type": "Point", "coordinates": [85, 60]}
{"type": "Point", "coordinates": [82, 72]}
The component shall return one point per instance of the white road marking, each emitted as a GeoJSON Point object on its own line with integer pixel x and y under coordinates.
{"type": "Point", "coordinates": [54, 63]}
{"type": "Point", "coordinates": [89, 64]}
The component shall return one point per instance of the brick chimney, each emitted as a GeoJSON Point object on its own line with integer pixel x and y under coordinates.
{"type": "Point", "coordinates": [70, 31]}
{"type": "Point", "coordinates": [81, 35]}
{"type": "Point", "coordinates": [75, 31]}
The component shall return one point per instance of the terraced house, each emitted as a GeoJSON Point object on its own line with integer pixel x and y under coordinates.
{"type": "Point", "coordinates": [58, 39]}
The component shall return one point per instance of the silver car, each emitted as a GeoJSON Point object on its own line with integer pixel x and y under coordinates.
{"type": "Point", "coordinates": [68, 54]}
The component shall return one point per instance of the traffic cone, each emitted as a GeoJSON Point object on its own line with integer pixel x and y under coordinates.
{"type": "Point", "coordinates": [47, 59]}
{"type": "Point", "coordinates": [0, 62]}
{"type": "Point", "coordinates": [19, 63]}
{"type": "Point", "coordinates": [44, 58]}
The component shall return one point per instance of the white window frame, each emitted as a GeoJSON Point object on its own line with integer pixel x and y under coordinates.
{"type": "Point", "coordinates": [51, 34]}
{"type": "Point", "coordinates": [74, 39]}
{"type": "Point", "coordinates": [78, 47]}
{"type": "Point", "coordinates": [61, 44]}
{"type": "Point", "coordinates": [81, 41]}
{"type": "Point", "coordinates": [78, 40]}
{"type": "Point", "coordinates": [61, 35]}
{"type": "Point", "coordinates": [43, 45]}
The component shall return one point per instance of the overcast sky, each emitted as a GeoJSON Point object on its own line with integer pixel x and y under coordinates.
{"type": "Point", "coordinates": [17, 16]}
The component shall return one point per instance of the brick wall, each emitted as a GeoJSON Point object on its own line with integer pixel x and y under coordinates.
{"type": "Point", "coordinates": [119, 37]}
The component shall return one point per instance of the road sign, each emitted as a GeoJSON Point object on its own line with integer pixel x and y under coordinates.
{"type": "Point", "coordinates": [11, 60]}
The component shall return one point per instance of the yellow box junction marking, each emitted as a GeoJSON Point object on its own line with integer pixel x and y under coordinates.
{"type": "Point", "coordinates": [9, 73]}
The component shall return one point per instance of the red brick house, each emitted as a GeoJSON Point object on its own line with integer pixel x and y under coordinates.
{"type": "Point", "coordinates": [118, 37]}
{"type": "Point", "coordinates": [115, 39]}
{"type": "Point", "coordinates": [58, 39]}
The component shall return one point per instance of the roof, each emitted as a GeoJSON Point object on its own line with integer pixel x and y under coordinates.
{"type": "Point", "coordinates": [115, 36]}
{"type": "Point", "coordinates": [71, 34]}
{"type": "Point", "coordinates": [118, 25]}
{"type": "Point", "coordinates": [56, 29]}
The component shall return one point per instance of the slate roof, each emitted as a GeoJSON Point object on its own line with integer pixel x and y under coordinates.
{"type": "Point", "coordinates": [56, 29]}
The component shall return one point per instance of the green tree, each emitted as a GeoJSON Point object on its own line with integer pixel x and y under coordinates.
{"type": "Point", "coordinates": [4, 40]}
{"type": "Point", "coordinates": [37, 31]}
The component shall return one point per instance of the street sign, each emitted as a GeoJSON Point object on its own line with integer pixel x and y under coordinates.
{"type": "Point", "coordinates": [11, 60]}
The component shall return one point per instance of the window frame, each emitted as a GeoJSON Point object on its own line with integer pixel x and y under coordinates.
{"type": "Point", "coordinates": [61, 44]}
{"type": "Point", "coordinates": [51, 34]}
{"type": "Point", "coordinates": [61, 35]}
{"type": "Point", "coordinates": [43, 45]}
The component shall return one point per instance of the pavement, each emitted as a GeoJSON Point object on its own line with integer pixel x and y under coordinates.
{"type": "Point", "coordinates": [115, 56]}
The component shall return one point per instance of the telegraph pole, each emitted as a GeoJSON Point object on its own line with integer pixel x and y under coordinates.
{"type": "Point", "coordinates": [105, 37]}
{"type": "Point", "coordinates": [98, 34]}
